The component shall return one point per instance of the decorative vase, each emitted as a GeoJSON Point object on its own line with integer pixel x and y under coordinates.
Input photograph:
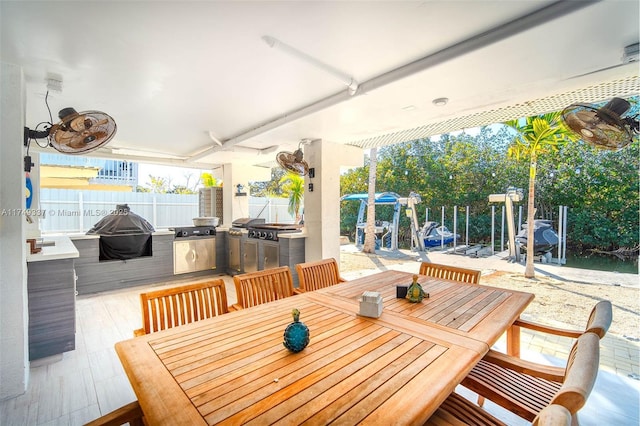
{"type": "Point", "coordinates": [415, 293]}
{"type": "Point", "coordinates": [296, 335]}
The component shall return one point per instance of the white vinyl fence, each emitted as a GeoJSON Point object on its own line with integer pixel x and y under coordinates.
{"type": "Point", "coordinates": [70, 211]}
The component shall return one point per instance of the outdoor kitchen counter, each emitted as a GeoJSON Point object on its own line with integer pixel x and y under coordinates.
{"type": "Point", "coordinates": [62, 248]}
{"type": "Point", "coordinates": [294, 235]}
{"type": "Point", "coordinates": [78, 236]}
{"type": "Point", "coordinates": [52, 297]}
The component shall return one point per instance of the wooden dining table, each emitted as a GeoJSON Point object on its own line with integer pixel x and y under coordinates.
{"type": "Point", "coordinates": [394, 369]}
{"type": "Point", "coordinates": [476, 311]}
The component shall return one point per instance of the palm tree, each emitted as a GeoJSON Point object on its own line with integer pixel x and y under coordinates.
{"type": "Point", "coordinates": [369, 230]}
{"type": "Point", "coordinates": [537, 136]}
{"type": "Point", "coordinates": [292, 186]}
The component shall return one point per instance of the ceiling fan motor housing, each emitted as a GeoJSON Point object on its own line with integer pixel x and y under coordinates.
{"type": "Point", "coordinates": [67, 113]}
{"type": "Point", "coordinates": [616, 106]}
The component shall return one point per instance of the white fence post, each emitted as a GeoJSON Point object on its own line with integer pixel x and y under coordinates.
{"type": "Point", "coordinates": [493, 229]}
{"type": "Point", "coordinates": [467, 230]}
{"type": "Point", "coordinates": [502, 230]}
{"type": "Point", "coordinates": [81, 210]}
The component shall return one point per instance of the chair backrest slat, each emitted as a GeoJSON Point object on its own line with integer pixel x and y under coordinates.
{"type": "Point", "coordinates": [319, 274]}
{"type": "Point", "coordinates": [171, 307]}
{"type": "Point", "coordinates": [454, 273]}
{"type": "Point", "coordinates": [256, 288]}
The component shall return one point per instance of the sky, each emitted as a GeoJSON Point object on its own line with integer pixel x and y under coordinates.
{"type": "Point", "coordinates": [175, 175]}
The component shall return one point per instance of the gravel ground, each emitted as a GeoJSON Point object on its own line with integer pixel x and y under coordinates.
{"type": "Point", "coordinates": [557, 301]}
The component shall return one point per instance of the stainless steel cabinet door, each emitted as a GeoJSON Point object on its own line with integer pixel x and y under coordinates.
{"type": "Point", "coordinates": [234, 254]}
{"type": "Point", "coordinates": [205, 254]}
{"type": "Point", "coordinates": [194, 255]}
{"type": "Point", "coordinates": [184, 257]}
{"type": "Point", "coordinates": [250, 256]}
{"type": "Point", "coordinates": [271, 255]}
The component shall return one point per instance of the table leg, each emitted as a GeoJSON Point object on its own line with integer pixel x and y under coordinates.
{"type": "Point", "coordinates": [513, 341]}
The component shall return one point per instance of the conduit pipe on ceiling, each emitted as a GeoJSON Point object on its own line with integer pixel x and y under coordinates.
{"type": "Point", "coordinates": [545, 14]}
{"type": "Point", "coordinates": [347, 80]}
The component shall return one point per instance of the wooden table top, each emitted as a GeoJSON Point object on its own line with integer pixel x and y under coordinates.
{"type": "Point", "coordinates": [480, 312]}
{"type": "Point", "coordinates": [234, 369]}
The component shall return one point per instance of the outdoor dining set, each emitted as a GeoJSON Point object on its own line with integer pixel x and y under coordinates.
{"type": "Point", "coordinates": [199, 360]}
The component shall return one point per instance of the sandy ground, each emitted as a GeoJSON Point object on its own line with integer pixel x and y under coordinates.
{"type": "Point", "coordinates": [557, 302]}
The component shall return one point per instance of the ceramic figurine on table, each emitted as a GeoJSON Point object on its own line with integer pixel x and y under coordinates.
{"type": "Point", "coordinates": [415, 293]}
{"type": "Point", "coordinates": [296, 335]}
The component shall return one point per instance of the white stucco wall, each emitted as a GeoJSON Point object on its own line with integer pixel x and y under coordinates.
{"type": "Point", "coordinates": [322, 205]}
{"type": "Point", "coordinates": [14, 365]}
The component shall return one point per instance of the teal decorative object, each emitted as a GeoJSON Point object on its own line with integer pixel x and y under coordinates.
{"type": "Point", "coordinates": [296, 335]}
{"type": "Point", "coordinates": [415, 293]}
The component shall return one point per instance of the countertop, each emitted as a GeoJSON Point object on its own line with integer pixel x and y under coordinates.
{"type": "Point", "coordinates": [83, 236]}
{"type": "Point", "coordinates": [62, 248]}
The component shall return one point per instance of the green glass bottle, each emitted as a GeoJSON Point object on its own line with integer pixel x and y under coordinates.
{"type": "Point", "coordinates": [415, 293]}
{"type": "Point", "coordinates": [296, 335]}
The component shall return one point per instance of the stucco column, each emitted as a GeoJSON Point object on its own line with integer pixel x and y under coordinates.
{"type": "Point", "coordinates": [322, 204]}
{"type": "Point", "coordinates": [14, 363]}
{"type": "Point", "coordinates": [236, 206]}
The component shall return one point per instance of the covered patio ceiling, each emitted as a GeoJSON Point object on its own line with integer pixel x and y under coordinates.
{"type": "Point", "coordinates": [195, 84]}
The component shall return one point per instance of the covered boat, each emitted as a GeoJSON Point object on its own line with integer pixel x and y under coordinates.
{"type": "Point", "coordinates": [434, 235]}
{"type": "Point", "coordinates": [544, 236]}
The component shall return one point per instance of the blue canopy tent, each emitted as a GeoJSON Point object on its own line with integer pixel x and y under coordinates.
{"type": "Point", "coordinates": [386, 232]}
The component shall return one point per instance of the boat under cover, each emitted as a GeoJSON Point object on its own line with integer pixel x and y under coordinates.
{"type": "Point", "coordinates": [434, 235]}
{"type": "Point", "coordinates": [544, 236]}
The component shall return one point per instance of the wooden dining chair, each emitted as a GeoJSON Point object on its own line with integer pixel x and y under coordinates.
{"type": "Point", "coordinates": [319, 274]}
{"type": "Point", "coordinates": [525, 388]}
{"type": "Point", "coordinates": [454, 273]}
{"type": "Point", "coordinates": [556, 406]}
{"type": "Point", "coordinates": [553, 415]}
{"type": "Point", "coordinates": [599, 322]}
{"type": "Point", "coordinates": [130, 413]}
{"type": "Point", "coordinates": [256, 288]}
{"type": "Point", "coordinates": [459, 411]}
{"type": "Point", "coordinates": [170, 307]}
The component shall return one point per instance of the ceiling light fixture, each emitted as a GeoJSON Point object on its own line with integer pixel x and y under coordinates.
{"type": "Point", "coordinates": [347, 80]}
{"type": "Point", "coordinates": [54, 82]}
{"type": "Point", "coordinates": [440, 101]}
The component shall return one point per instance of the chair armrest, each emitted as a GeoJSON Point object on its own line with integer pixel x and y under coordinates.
{"type": "Point", "coordinates": [139, 332]}
{"type": "Point", "coordinates": [548, 372]}
{"type": "Point", "coordinates": [235, 307]}
{"type": "Point", "coordinates": [547, 329]}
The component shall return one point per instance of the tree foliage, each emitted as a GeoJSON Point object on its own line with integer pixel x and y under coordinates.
{"type": "Point", "coordinates": [271, 188]}
{"type": "Point", "coordinates": [535, 137]}
{"type": "Point", "coordinates": [292, 186]}
{"type": "Point", "coordinates": [599, 187]}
